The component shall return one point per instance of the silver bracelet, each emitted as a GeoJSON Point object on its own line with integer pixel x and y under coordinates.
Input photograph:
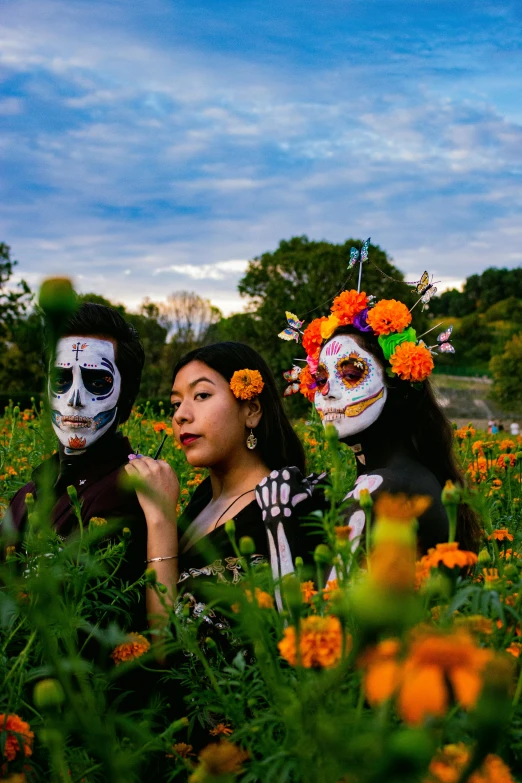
{"type": "Point", "coordinates": [157, 559]}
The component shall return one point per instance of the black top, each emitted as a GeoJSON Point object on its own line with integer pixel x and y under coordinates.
{"type": "Point", "coordinates": [96, 475]}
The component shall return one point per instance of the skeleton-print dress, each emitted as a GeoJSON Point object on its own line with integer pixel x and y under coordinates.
{"type": "Point", "coordinates": [212, 560]}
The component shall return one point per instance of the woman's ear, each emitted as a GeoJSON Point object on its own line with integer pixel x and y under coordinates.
{"type": "Point", "coordinates": [253, 412]}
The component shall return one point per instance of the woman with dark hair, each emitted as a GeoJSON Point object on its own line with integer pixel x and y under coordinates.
{"type": "Point", "coordinates": [367, 374]}
{"type": "Point", "coordinates": [228, 418]}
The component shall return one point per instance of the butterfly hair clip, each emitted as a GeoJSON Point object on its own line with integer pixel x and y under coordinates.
{"type": "Point", "coordinates": [359, 256]}
{"type": "Point", "coordinates": [292, 376]}
{"type": "Point", "coordinates": [425, 288]}
{"type": "Point", "coordinates": [443, 345]}
{"type": "Point", "coordinates": [293, 330]}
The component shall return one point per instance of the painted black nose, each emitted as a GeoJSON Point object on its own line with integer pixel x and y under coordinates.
{"type": "Point", "coordinates": [74, 400]}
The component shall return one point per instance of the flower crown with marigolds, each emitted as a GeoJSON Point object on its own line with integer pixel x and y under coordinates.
{"type": "Point", "coordinates": [410, 359]}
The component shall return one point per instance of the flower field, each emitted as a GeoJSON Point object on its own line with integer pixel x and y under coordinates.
{"type": "Point", "coordinates": [399, 671]}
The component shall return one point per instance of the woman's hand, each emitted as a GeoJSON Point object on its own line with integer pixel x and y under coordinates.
{"type": "Point", "coordinates": [160, 492]}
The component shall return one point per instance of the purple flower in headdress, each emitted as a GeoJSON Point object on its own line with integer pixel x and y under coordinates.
{"type": "Point", "coordinates": [360, 323]}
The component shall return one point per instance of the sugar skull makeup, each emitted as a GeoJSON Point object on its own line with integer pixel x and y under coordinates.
{"type": "Point", "coordinates": [351, 391]}
{"type": "Point", "coordinates": [84, 388]}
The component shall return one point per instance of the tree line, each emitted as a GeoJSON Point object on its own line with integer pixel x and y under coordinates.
{"type": "Point", "coordinates": [301, 276]}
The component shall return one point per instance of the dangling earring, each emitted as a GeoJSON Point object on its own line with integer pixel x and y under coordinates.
{"type": "Point", "coordinates": [251, 441]}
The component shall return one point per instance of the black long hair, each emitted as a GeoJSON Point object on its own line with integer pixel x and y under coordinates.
{"type": "Point", "coordinates": [413, 417]}
{"type": "Point", "coordinates": [100, 321]}
{"type": "Point", "coordinates": [277, 442]}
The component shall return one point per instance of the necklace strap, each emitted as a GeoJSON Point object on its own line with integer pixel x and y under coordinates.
{"type": "Point", "coordinates": [230, 506]}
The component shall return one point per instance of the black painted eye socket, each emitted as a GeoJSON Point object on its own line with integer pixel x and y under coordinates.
{"type": "Point", "coordinates": [61, 379]}
{"type": "Point", "coordinates": [97, 382]}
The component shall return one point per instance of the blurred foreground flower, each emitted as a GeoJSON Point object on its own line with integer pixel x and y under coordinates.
{"type": "Point", "coordinates": [449, 763]}
{"type": "Point", "coordinates": [435, 667]}
{"type": "Point", "coordinates": [320, 643]}
{"type": "Point", "coordinates": [219, 758]}
{"type": "Point", "coordinates": [15, 730]}
{"type": "Point", "coordinates": [264, 600]}
{"type": "Point", "coordinates": [128, 651]}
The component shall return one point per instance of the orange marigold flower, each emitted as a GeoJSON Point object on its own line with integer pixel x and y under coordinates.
{"type": "Point", "coordinates": [221, 728]}
{"type": "Point", "coordinates": [490, 575]}
{"type": "Point", "coordinates": [182, 749]}
{"type": "Point", "coordinates": [412, 362]}
{"type": "Point", "coordinates": [246, 384]}
{"type": "Point", "coordinates": [475, 624]}
{"type": "Point", "coordinates": [217, 759]}
{"type": "Point", "coordinates": [349, 304]}
{"type": "Point", "coordinates": [312, 338]}
{"type": "Point", "coordinates": [392, 564]}
{"type": "Point", "coordinates": [307, 384]}
{"type": "Point", "coordinates": [342, 532]}
{"type": "Point", "coordinates": [451, 556]}
{"type": "Point", "coordinates": [388, 316]}
{"type": "Point", "coordinates": [10, 726]}
{"type": "Point", "coordinates": [507, 444]}
{"type": "Point", "coordinates": [450, 762]}
{"type": "Point", "coordinates": [159, 426]}
{"type": "Point", "coordinates": [422, 571]}
{"type": "Point", "coordinates": [382, 671]}
{"type": "Point", "coordinates": [434, 660]}
{"type": "Point", "coordinates": [128, 651]}
{"type": "Point", "coordinates": [320, 643]}
{"type": "Point", "coordinates": [476, 447]}
{"type": "Point", "coordinates": [263, 600]}
{"type": "Point", "coordinates": [507, 460]}
{"type": "Point", "coordinates": [515, 648]}
{"type": "Point", "coordinates": [329, 326]}
{"type": "Point", "coordinates": [332, 587]}
{"type": "Point", "coordinates": [502, 534]}
{"type": "Point", "coordinates": [308, 591]}
{"type": "Point", "coordinates": [401, 506]}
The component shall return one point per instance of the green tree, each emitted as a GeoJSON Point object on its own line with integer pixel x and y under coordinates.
{"type": "Point", "coordinates": [506, 368]}
{"type": "Point", "coordinates": [14, 301]}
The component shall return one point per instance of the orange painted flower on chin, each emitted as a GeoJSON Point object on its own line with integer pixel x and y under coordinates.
{"type": "Point", "coordinates": [77, 443]}
{"type": "Point", "coordinates": [388, 316]}
{"type": "Point", "coordinates": [14, 731]}
{"type": "Point", "coordinates": [312, 338]}
{"type": "Point", "coordinates": [349, 304]}
{"type": "Point", "coordinates": [412, 362]}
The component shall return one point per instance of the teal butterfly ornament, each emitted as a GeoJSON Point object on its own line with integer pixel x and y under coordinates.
{"type": "Point", "coordinates": [359, 257]}
{"type": "Point", "coordinates": [293, 330]}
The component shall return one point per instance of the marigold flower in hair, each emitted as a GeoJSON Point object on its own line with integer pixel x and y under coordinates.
{"type": "Point", "coordinates": [246, 384]}
{"type": "Point", "coordinates": [329, 326]}
{"type": "Point", "coordinates": [349, 304]}
{"type": "Point", "coordinates": [412, 362]}
{"type": "Point", "coordinates": [135, 647]}
{"type": "Point", "coordinates": [312, 338]}
{"type": "Point", "coordinates": [388, 316]}
{"type": "Point", "coordinates": [10, 727]}
{"type": "Point", "coordinates": [307, 384]}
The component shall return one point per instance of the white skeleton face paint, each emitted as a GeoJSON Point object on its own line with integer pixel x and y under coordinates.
{"type": "Point", "coordinates": [351, 391]}
{"type": "Point", "coordinates": [84, 388]}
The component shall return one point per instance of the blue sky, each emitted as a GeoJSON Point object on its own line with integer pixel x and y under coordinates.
{"type": "Point", "coordinates": [149, 147]}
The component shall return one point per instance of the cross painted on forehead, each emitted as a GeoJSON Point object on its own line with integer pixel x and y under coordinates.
{"type": "Point", "coordinates": [79, 348]}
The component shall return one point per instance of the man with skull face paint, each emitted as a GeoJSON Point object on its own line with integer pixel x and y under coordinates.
{"type": "Point", "coordinates": [92, 387]}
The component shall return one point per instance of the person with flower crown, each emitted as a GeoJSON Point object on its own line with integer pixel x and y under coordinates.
{"type": "Point", "coordinates": [227, 418]}
{"type": "Point", "coordinates": [367, 374]}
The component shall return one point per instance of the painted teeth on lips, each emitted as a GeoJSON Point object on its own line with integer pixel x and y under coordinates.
{"type": "Point", "coordinates": [76, 421]}
{"type": "Point", "coordinates": [188, 437]}
{"type": "Point", "coordinates": [333, 413]}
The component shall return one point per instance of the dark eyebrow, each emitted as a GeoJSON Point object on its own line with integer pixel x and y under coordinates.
{"type": "Point", "coordinates": [192, 384]}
